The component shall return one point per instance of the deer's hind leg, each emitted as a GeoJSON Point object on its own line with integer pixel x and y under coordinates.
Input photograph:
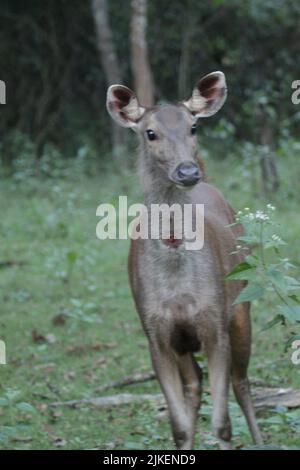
{"type": "Point", "coordinates": [240, 336]}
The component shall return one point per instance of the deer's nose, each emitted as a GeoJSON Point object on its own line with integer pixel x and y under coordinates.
{"type": "Point", "coordinates": [187, 174]}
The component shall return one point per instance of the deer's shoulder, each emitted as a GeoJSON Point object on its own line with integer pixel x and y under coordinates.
{"type": "Point", "coordinates": [214, 202]}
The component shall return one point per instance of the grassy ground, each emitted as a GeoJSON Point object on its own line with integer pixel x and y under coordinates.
{"type": "Point", "coordinates": [69, 324]}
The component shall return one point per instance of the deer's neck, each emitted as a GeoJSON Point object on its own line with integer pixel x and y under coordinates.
{"type": "Point", "coordinates": [162, 192]}
{"type": "Point", "coordinates": [158, 189]}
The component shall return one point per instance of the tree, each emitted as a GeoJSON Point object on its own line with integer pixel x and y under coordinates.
{"type": "Point", "coordinates": [141, 69]}
{"type": "Point", "coordinates": [109, 61]}
{"type": "Point", "coordinates": [188, 33]}
{"type": "Point", "coordinates": [269, 172]}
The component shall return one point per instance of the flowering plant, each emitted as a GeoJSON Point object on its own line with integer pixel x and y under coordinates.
{"type": "Point", "coordinates": [266, 271]}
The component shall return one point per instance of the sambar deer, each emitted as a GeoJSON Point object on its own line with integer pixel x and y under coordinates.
{"type": "Point", "coordinates": [181, 295]}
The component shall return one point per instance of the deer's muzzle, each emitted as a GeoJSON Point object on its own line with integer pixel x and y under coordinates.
{"type": "Point", "coordinates": [187, 174]}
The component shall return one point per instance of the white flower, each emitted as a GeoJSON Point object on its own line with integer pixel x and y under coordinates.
{"type": "Point", "coordinates": [271, 207]}
{"type": "Point", "coordinates": [260, 215]}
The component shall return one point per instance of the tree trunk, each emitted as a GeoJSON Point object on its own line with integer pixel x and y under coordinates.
{"type": "Point", "coordinates": [109, 62]}
{"type": "Point", "coordinates": [188, 30]}
{"type": "Point", "coordinates": [141, 69]}
{"type": "Point", "coordinates": [270, 178]}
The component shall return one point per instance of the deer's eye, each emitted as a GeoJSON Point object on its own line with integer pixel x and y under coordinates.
{"type": "Point", "coordinates": [151, 134]}
{"type": "Point", "coordinates": [194, 129]}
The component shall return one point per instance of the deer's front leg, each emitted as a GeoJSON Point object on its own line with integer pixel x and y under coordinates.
{"type": "Point", "coordinates": [191, 375]}
{"type": "Point", "coordinates": [218, 351]}
{"type": "Point", "coordinates": [167, 372]}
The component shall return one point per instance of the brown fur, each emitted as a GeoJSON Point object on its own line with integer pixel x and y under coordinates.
{"type": "Point", "coordinates": [182, 297]}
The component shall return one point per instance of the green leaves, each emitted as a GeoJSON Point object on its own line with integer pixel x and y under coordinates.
{"type": "Point", "coordinates": [254, 290]}
{"type": "Point", "coordinates": [251, 292]}
{"type": "Point", "coordinates": [243, 270]}
{"type": "Point", "coordinates": [11, 394]}
{"type": "Point", "coordinates": [290, 312]}
{"type": "Point", "coordinates": [72, 257]}
{"type": "Point", "coordinates": [25, 407]}
{"type": "Point", "coordinates": [248, 239]}
{"type": "Point", "coordinates": [277, 319]}
{"type": "Point", "coordinates": [283, 282]}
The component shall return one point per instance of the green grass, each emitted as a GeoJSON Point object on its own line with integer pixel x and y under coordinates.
{"type": "Point", "coordinates": [49, 227]}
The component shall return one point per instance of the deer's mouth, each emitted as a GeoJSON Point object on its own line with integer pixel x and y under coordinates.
{"type": "Point", "coordinates": [186, 187]}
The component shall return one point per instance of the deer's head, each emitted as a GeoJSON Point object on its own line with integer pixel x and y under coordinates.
{"type": "Point", "coordinates": [168, 131]}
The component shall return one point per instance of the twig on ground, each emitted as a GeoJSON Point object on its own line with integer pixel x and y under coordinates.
{"type": "Point", "coordinates": [112, 400]}
{"type": "Point", "coordinates": [263, 398]}
{"type": "Point", "coordinates": [140, 377]}
{"type": "Point", "coordinates": [11, 264]}
{"type": "Point", "coordinates": [128, 380]}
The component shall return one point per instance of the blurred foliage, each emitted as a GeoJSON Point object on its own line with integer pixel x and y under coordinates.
{"type": "Point", "coordinates": [56, 88]}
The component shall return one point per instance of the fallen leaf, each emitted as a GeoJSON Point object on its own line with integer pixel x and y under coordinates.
{"type": "Point", "coordinates": [113, 444]}
{"type": "Point", "coordinates": [46, 367]}
{"type": "Point", "coordinates": [42, 407]}
{"type": "Point", "coordinates": [59, 319]}
{"type": "Point", "coordinates": [38, 337]}
{"type": "Point", "coordinates": [58, 442]}
{"type": "Point", "coordinates": [11, 263]}
{"type": "Point", "coordinates": [50, 338]}
{"type": "Point", "coordinates": [102, 346]}
{"type": "Point", "coordinates": [55, 415]}
{"type": "Point", "coordinates": [21, 439]}
{"type": "Point", "coordinates": [75, 349]}
{"type": "Point", "coordinates": [49, 429]}
{"type": "Point", "coordinates": [70, 375]}
{"type": "Point", "coordinates": [79, 348]}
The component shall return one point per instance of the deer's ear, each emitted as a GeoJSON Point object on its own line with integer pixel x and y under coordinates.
{"type": "Point", "coordinates": [123, 106]}
{"type": "Point", "coordinates": [208, 95]}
